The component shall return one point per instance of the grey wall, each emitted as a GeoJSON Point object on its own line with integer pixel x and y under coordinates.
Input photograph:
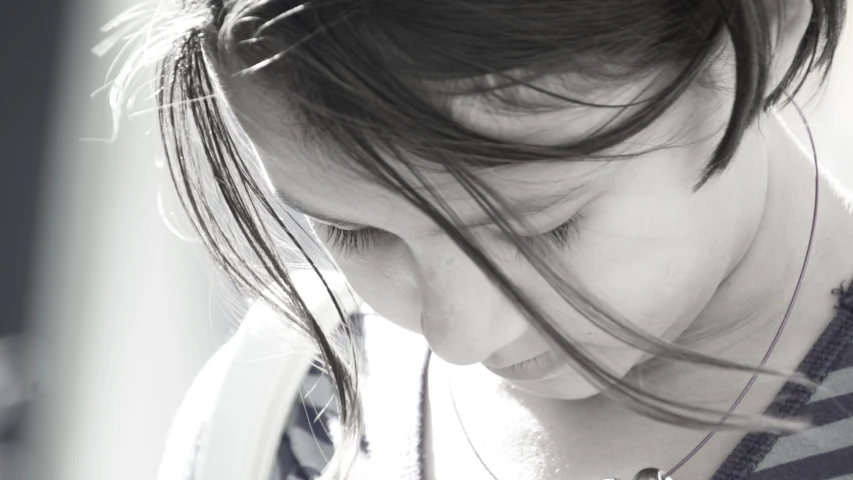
{"type": "Point", "coordinates": [123, 312]}
{"type": "Point", "coordinates": [27, 58]}
{"type": "Point", "coordinates": [27, 84]}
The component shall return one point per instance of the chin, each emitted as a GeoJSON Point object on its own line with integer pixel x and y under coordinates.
{"type": "Point", "coordinates": [567, 385]}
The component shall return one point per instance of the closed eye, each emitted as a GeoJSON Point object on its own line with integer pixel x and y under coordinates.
{"type": "Point", "coordinates": [562, 237]}
{"type": "Point", "coordinates": [351, 241]}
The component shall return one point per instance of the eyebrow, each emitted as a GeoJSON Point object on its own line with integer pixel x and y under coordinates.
{"type": "Point", "coordinates": [536, 205]}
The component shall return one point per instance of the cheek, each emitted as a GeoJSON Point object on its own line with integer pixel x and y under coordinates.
{"type": "Point", "coordinates": [385, 282]}
{"type": "Point", "coordinates": [660, 286]}
{"type": "Point", "coordinates": [571, 385]}
{"type": "Point", "coordinates": [657, 277]}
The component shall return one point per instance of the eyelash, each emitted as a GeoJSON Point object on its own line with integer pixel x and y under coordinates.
{"type": "Point", "coordinates": [349, 241]}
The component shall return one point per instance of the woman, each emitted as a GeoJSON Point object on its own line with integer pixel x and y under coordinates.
{"type": "Point", "coordinates": [595, 201]}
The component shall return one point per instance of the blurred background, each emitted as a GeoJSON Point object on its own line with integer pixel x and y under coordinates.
{"type": "Point", "coordinates": [107, 310]}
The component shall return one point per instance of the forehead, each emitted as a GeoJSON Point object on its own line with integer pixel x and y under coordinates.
{"type": "Point", "coordinates": [544, 119]}
{"type": "Point", "coordinates": [314, 178]}
{"type": "Point", "coordinates": [554, 121]}
{"type": "Point", "coordinates": [330, 192]}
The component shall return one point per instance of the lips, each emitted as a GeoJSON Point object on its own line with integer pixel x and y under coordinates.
{"type": "Point", "coordinates": [536, 368]}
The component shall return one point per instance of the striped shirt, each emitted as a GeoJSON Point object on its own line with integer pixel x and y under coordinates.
{"type": "Point", "coordinates": [393, 441]}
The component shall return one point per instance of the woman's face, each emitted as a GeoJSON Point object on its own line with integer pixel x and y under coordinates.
{"type": "Point", "coordinates": [652, 249]}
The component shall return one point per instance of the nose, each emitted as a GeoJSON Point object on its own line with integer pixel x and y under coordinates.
{"type": "Point", "coordinates": [464, 317]}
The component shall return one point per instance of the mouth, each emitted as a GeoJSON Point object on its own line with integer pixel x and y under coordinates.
{"type": "Point", "coordinates": [539, 367]}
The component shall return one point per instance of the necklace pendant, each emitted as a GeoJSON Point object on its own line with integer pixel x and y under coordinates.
{"type": "Point", "coordinates": [651, 474]}
{"type": "Point", "coordinates": [648, 474]}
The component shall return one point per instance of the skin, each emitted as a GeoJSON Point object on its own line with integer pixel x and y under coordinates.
{"type": "Point", "coordinates": [673, 262]}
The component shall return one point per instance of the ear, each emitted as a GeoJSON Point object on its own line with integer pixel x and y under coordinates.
{"type": "Point", "coordinates": [788, 29]}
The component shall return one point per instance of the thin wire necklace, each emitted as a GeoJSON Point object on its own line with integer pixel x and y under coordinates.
{"type": "Point", "coordinates": [656, 473]}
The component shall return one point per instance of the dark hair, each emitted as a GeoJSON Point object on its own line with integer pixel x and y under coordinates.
{"type": "Point", "coordinates": [364, 77]}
